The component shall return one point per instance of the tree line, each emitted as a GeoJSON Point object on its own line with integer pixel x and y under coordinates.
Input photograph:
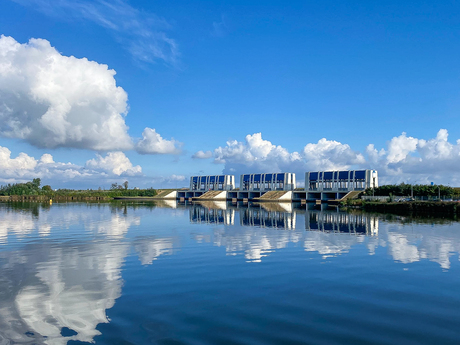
{"type": "Point", "coordinates": [33, 188]}
{"type": "Point", "coordinates": [28, 188]}
{"type": "Point", "coordinates": [405, 189]}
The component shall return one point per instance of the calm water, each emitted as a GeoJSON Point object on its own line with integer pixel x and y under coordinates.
{"type": "Point", "coordinates": [220, 274]}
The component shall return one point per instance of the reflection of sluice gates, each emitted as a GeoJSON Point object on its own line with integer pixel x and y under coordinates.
{"type": "Point", "coordinates": [261, 217]}
{"type": "Point", "coordinates": [341, 222]}
{"type": "Point", "coordinates": [266, 216]}
{"type": "Point", "coordinates": [212, 215]}
{"type": "Point", "coordinates": [283, 216]}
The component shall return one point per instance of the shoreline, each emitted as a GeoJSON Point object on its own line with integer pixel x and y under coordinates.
{"type": "Point", "coordinates": [415, 208]}
{"type": "Point", "coordinates": [428, 209]}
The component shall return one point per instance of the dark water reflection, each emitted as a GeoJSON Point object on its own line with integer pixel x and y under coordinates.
{"type": "Point", "coordinates": [220, 273]}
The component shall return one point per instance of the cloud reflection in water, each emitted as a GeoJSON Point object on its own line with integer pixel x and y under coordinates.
{"type": "Point", "coordinates": [66, 281]}
{"type": "Point", "coordinates": [329, 232]}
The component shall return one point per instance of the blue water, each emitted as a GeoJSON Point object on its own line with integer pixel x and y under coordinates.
{"type": "Point", "coordinates": [218, 273]}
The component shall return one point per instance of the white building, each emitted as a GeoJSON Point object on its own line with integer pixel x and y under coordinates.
{"type": "Point", "coordinates": [267, 182]}
{"type": "Point", "coordinates": [337, 181]}
{"type": "Point", "coordinates": [217, 182]}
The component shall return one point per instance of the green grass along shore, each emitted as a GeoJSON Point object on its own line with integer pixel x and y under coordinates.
{"type": "Point", "coordinates": [34, 192]}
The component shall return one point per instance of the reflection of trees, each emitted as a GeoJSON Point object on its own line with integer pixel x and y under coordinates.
{"type": "Point", "coordinates": [32, 208]}
{"type": "Point", "coordinates": [410, 219]}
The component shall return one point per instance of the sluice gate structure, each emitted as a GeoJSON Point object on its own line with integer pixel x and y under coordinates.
{"type": "Point", "coordinates": [320, 186]}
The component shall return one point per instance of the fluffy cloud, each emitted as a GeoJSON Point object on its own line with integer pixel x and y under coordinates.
{"type": "Point", "coordinates": [400, 147]}
{"type": "Point", "coordinates": [202, 155]}
{"type": "Point", "coordinates": [406, 159]}
{"type": "Point", "coordinates": [24, 167]}
{"type": "Point", "coordinates": [51, 100]}
{"type": "Point", "coordinates": [258, 155]}
{"type": "Point", "coordinates": [153, 143]}
{"type": "Point", "coordinates": [18, 166]}
{"type": "Point", "coordinates": [331, 155]}
{"type": "Point", "coordinates": [116, 163]}
{"type": "Point", "coordinates": [47, 159]}
{"type": "Point", "coordinates": [418, 160]}
{"type": "Point", "coordinates": [99, 171]}
{"type": "Point", "coordinates": [174, 177]}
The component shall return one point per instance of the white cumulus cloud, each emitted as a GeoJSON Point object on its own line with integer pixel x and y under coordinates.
{"type": "Point", "coordinates": [51, 100]}
{"type": "Point", "coordinates": [114, 162]}
{"type": "Point", "coordinates": [24, 168]}
{"type": "Point", "coordinates": [153, 143]}
{"type": "Point", "coordinates": [400, 147]}
{"type": "Point", "coordinates": [15, 167]}
{"type": "Point", "coordinates": [256, 154]}
{"type": "Point", "coordinates": [47, 159]}
{"type": "Point", "coordinates": [100, 171]}
{"type": "Point", "coordinates": [405, 159]}
{"type": "Point", "coordinates": [174, 177]}
{"type": "Point", "coordinates": [202, 155]}
{"type": "Point", "coordinates": [410, 159]}
{"type": "Point", "coordinates": [331, 155]}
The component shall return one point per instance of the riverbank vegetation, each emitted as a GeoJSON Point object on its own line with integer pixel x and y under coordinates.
{"type": "Point", "coordinates": [421, 200]}
{"type": "Point", "coordinates": [416, 190]}
{"type": "Point", "coordinates": [33, 191]}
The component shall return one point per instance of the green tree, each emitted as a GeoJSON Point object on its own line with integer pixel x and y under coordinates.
{"type": "Point", "coordinates": [36, 182]}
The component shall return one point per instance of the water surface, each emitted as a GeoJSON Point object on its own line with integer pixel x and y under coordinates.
{"type": "Point", "coordinates": [218, 273]}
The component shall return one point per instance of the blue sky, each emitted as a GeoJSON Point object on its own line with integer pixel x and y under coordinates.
{"type": "Point", "coordinates": [320, 82]}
